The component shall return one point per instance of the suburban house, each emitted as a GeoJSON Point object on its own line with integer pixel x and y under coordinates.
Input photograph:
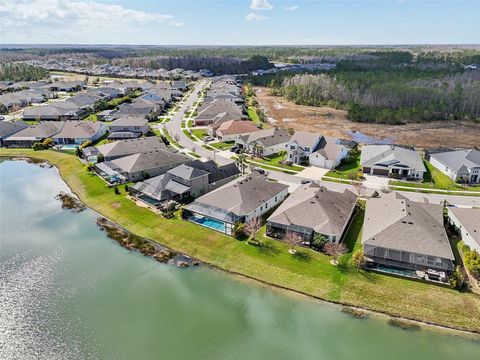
{"type": "Point", "coordinates": [468, 222]}
{"type": "Point", "coordinates": [61, 110]}
{"type": "Point", "coordinates": [406, 238]}
{"type": "Point", "coordinates": [70, 86]}
{"type": "Point", "coordinates": [132, 124]}
{"type": "Point", "coordinates": [232, 129]}
{"type": "Point", "coordinates": [138, 107]}
{"type": "Point", "coordinates": [459, 165]}
{"type": "Point", "coordinates": [218, 110]}
{"type": "Point", "coordinates": [77, 132]}
{"type": "Point", "coordinates": [307, 148]}
{"type": "Point", "coordinates": [191, 179]}
{"type": "Point", "coordinates": [313, 210]}
{"type": "Point", "coordinates": [240, 202]}
{"type": "Point", "coordinates": [139, 166]}
{"type": "Point", "coordinates": [9, 128]}
{"type": "Point", "coordinates": [28, 136]}
{"type": "Point", "coordinates": [391, 160]}
{"type": "Point", "coordinates": [121, 148]}
{"type": "Point", "coordinates": [264, 142]}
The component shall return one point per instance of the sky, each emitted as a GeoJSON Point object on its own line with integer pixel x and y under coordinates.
{"type": "Point", "coordinates": [240, 22]}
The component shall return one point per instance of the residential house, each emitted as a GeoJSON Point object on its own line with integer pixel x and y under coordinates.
{"type": "Point", "coordinates": [28, 136]}
{"type": "Point", "coordinates": [61, 110]}
{"type": "Point", "coordinates": [70, 86]}
{"type": "Point", "coordinates": [313, 210]}
{"type": "Point", "coordinates": [191, 179]}
{"type": "Point", "coordinates": [468, 222]}
{"type": "Point", "coordinates": [78, 132]}
{"type": "Point", "coordinates": [232, 129]}
{"type": "Point", "coordinates": [264, 142]}
{"type": "Point", "coordinates": [134, 124]}
{"type": "Point", "coordinates": [140, 166]}
{"type": "Point", "coordinates": [9, 128]}
{"type": "Point", "coordinates": [406, 238]}
{"type": "Point", "coordinates": [460, 165]}
{"type": "Point", "coordinates": [307, 148]}
{"type": "Point", "coordinates": [391, 160]}
{"type": "Point", "coordinates": [121, 148]}
{"type": "Point", "coordinates": [248, 198]}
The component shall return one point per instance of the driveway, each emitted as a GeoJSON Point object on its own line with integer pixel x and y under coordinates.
{"type": "Point", "coordinates": [376, 182]}
{"type": "Point", "coordinates": [312, 172]}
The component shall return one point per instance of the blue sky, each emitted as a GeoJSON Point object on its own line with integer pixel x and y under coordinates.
{"type": "Point", "coordinates": [240, 22]}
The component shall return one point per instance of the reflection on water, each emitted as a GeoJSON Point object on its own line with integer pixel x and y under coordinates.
{"type": "Point", "coordinates": [68, 292]}
{"type": "Point", "coordinates": [360, 137]}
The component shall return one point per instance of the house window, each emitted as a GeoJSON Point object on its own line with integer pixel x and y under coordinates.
{"type": "Point", "coordinates": [421, 259]}
{"type": "Point", "coordinates": [334, 238]}
{"type": "Point", "coordinates": [275, 199]}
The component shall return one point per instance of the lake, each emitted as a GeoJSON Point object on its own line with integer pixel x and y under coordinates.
{"type": "Point", "coordinates": [69, 292]}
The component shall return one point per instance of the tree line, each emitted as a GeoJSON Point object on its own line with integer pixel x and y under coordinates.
{"type": "Point", "coordinates": [21, 72]}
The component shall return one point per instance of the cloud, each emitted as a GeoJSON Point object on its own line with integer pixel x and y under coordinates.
{"type": "Point", "coordinates": [73, 19]}
{"type": "Point", "coordinates": [260, 5]}
{"type": "Point", "coordinates": [254, 17]}
{"type": "Point", "coordinates": [291, 8]}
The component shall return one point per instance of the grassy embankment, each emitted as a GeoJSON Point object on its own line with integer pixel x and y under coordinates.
{"type": "Point", "coordinates": [310, 273]}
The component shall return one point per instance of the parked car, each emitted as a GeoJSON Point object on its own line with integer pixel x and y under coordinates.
{"type": "Point", "coordinates": [306, 181]}
{"type": "Point", "coordinates": [208, 138]}
{"type": "Point", "coordinates": [260, 170]}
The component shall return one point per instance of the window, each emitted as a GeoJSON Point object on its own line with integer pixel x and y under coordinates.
{"type": "Point", "coordinates": [420, 259]}
{"type": "Point", "coordinates": [275, 199]}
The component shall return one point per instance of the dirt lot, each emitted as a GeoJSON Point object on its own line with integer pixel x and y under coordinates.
{"type": "Point", "coordinates": [329, 121]}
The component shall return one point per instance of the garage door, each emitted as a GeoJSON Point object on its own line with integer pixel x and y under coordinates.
{"type": "Point", "coordinates": [366, 170]}
{"type": "Point", "coordinates": [380, 172]}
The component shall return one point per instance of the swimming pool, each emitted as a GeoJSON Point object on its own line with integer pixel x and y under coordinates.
{"type": "Point", "coordinates": [209, 223]}
{"type": "Point", "coordinates": [69, 147]}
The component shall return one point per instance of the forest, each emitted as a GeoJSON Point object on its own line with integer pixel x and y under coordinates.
{"type": "Point", "coordinates": [21, 72]}
{"type": "Point", "coordinates": [391, 88]}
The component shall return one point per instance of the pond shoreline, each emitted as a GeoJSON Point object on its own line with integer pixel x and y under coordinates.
{"type": "Point", "coordinates": [453, 330]}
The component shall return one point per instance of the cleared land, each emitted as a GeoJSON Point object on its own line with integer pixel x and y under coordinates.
{"type": "Point", "coordinates": [333, 122]}
{"type": "Point", "coordinates": [310, 273]}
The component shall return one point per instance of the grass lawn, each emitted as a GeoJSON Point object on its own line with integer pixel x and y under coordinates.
{"type": "Point", "coordinates": [195, 155]}
{"type": "Point", "coordinates": [435, 179]}
{"type": "Point", "coordinates": [200, 133]}
{"type": "Point", "coordinates": [310, 273]}
{"type": "Point", "coordinates": [190, 123]}
{"type": "Point", "coordinates": [223, 145]}
{"type": "Point", "coordinates": [275, 160]}
{"type": "Point", "coordinates": [186, 132]}
{"type": "Point", "coordinates": [91, 117]}
{"type": "Point", "coordinates": [171, 140]}
{"type": "Point", "coordinates": [348, 165]}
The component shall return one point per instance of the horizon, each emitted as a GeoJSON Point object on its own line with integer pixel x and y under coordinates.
{"type": "Point", "coordinates": [240, 22]}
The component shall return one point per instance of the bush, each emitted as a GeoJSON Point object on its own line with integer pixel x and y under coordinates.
{"type": "Point", "coordinates": [458, 279]}
{"type": "Point", "coordinates": [471, 258]}
{"type": "Point", "coordinates": [126, 188]}
{"type": "Point", "coordinates": [318, 242]}
{"type": "Point", "coordinates": [116, 191]}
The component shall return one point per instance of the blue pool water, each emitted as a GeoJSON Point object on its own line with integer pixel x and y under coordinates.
{"type": "Point", "coordinates": [208, 222]}
{"type": "Point", "coordinates": [69, 147]}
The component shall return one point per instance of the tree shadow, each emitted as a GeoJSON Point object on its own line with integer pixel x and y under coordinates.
{"type": "Point", "coordinates": [302, 256]}
{"type": "Point", "coordinates": [268, 248]}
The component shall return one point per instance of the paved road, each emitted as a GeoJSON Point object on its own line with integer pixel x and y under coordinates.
{"type": "Point", "coordinates": [174, 127]}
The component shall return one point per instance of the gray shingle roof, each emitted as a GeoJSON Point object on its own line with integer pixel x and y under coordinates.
{"type": "Point", "coordinates": [242, 197]}
{"type": "Point", "coordinates": [457, 159]}
{"type": "Point", "coordinates": [267, 137]}
{"type": "Point", "coordinates": [78, 129]}
{"type": "Point", "coordinates": [10, 127]}
{"type": "Point", "coordinates": [470, 219]}
{"type": "Point", "coordinates": [389, 155]}
{"type": "Point", "coordinates": [394, 222]}
{"type": "Point", "coordinates": [129, 121]}
{"type": "Point", "coordinates": [316, 208]}
{"type": "Point", "coordinates": [145, 161]}
{"type": "Point", "coordinates": [131, 146]}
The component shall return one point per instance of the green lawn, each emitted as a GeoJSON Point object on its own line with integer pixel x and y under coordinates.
{"type": "Point", "coordinates": [200, 133]}
{"type": "Point", "coordinates": [91, 117]}
{"type": "Point", "coordinates": [310, 273]}
{"type": "Point", "coordinates": [347, 166]}
{"type": "Point", "coordinates": [223, 145]}
{"type": "Point", "coordinates": [276, 160]}
{"type": "Point", "coordinates": [435, 179]}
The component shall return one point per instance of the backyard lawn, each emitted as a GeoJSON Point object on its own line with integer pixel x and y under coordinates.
{"type": "Point", "coordinates": [310, 273]}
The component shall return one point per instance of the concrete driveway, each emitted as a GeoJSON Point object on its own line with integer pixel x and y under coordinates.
{"type": "Point", "coordinates": [376, 182]}
{"type": "Point", "coordinates": [312, 172]}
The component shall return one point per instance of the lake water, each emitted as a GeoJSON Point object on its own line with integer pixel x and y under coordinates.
{"type": "Point", "coordinates": [68, 292]}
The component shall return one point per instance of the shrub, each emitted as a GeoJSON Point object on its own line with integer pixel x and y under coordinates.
{"type": "Point", "coordinates": [458, 279]}
{"type": "Point", "coordinates": [126, 187]}
{"type": "Point", "coordinates": [318, 242]}
{"type": "Point", "coordinates": [358, 259]}
{"type": "Point", "coordinates": [116, 191]}
{"type": "Point", "coordinates": [471, 258]}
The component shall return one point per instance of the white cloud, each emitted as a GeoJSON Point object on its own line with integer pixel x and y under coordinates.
{"type": "Point", "coordinates": [291, 8]}
{"type": "Point", "coordinates": [260, 5]}
{"type": "Point", "coordinates": [73, 20]}
{"type": "Point", "coordinates": [254, 17]}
